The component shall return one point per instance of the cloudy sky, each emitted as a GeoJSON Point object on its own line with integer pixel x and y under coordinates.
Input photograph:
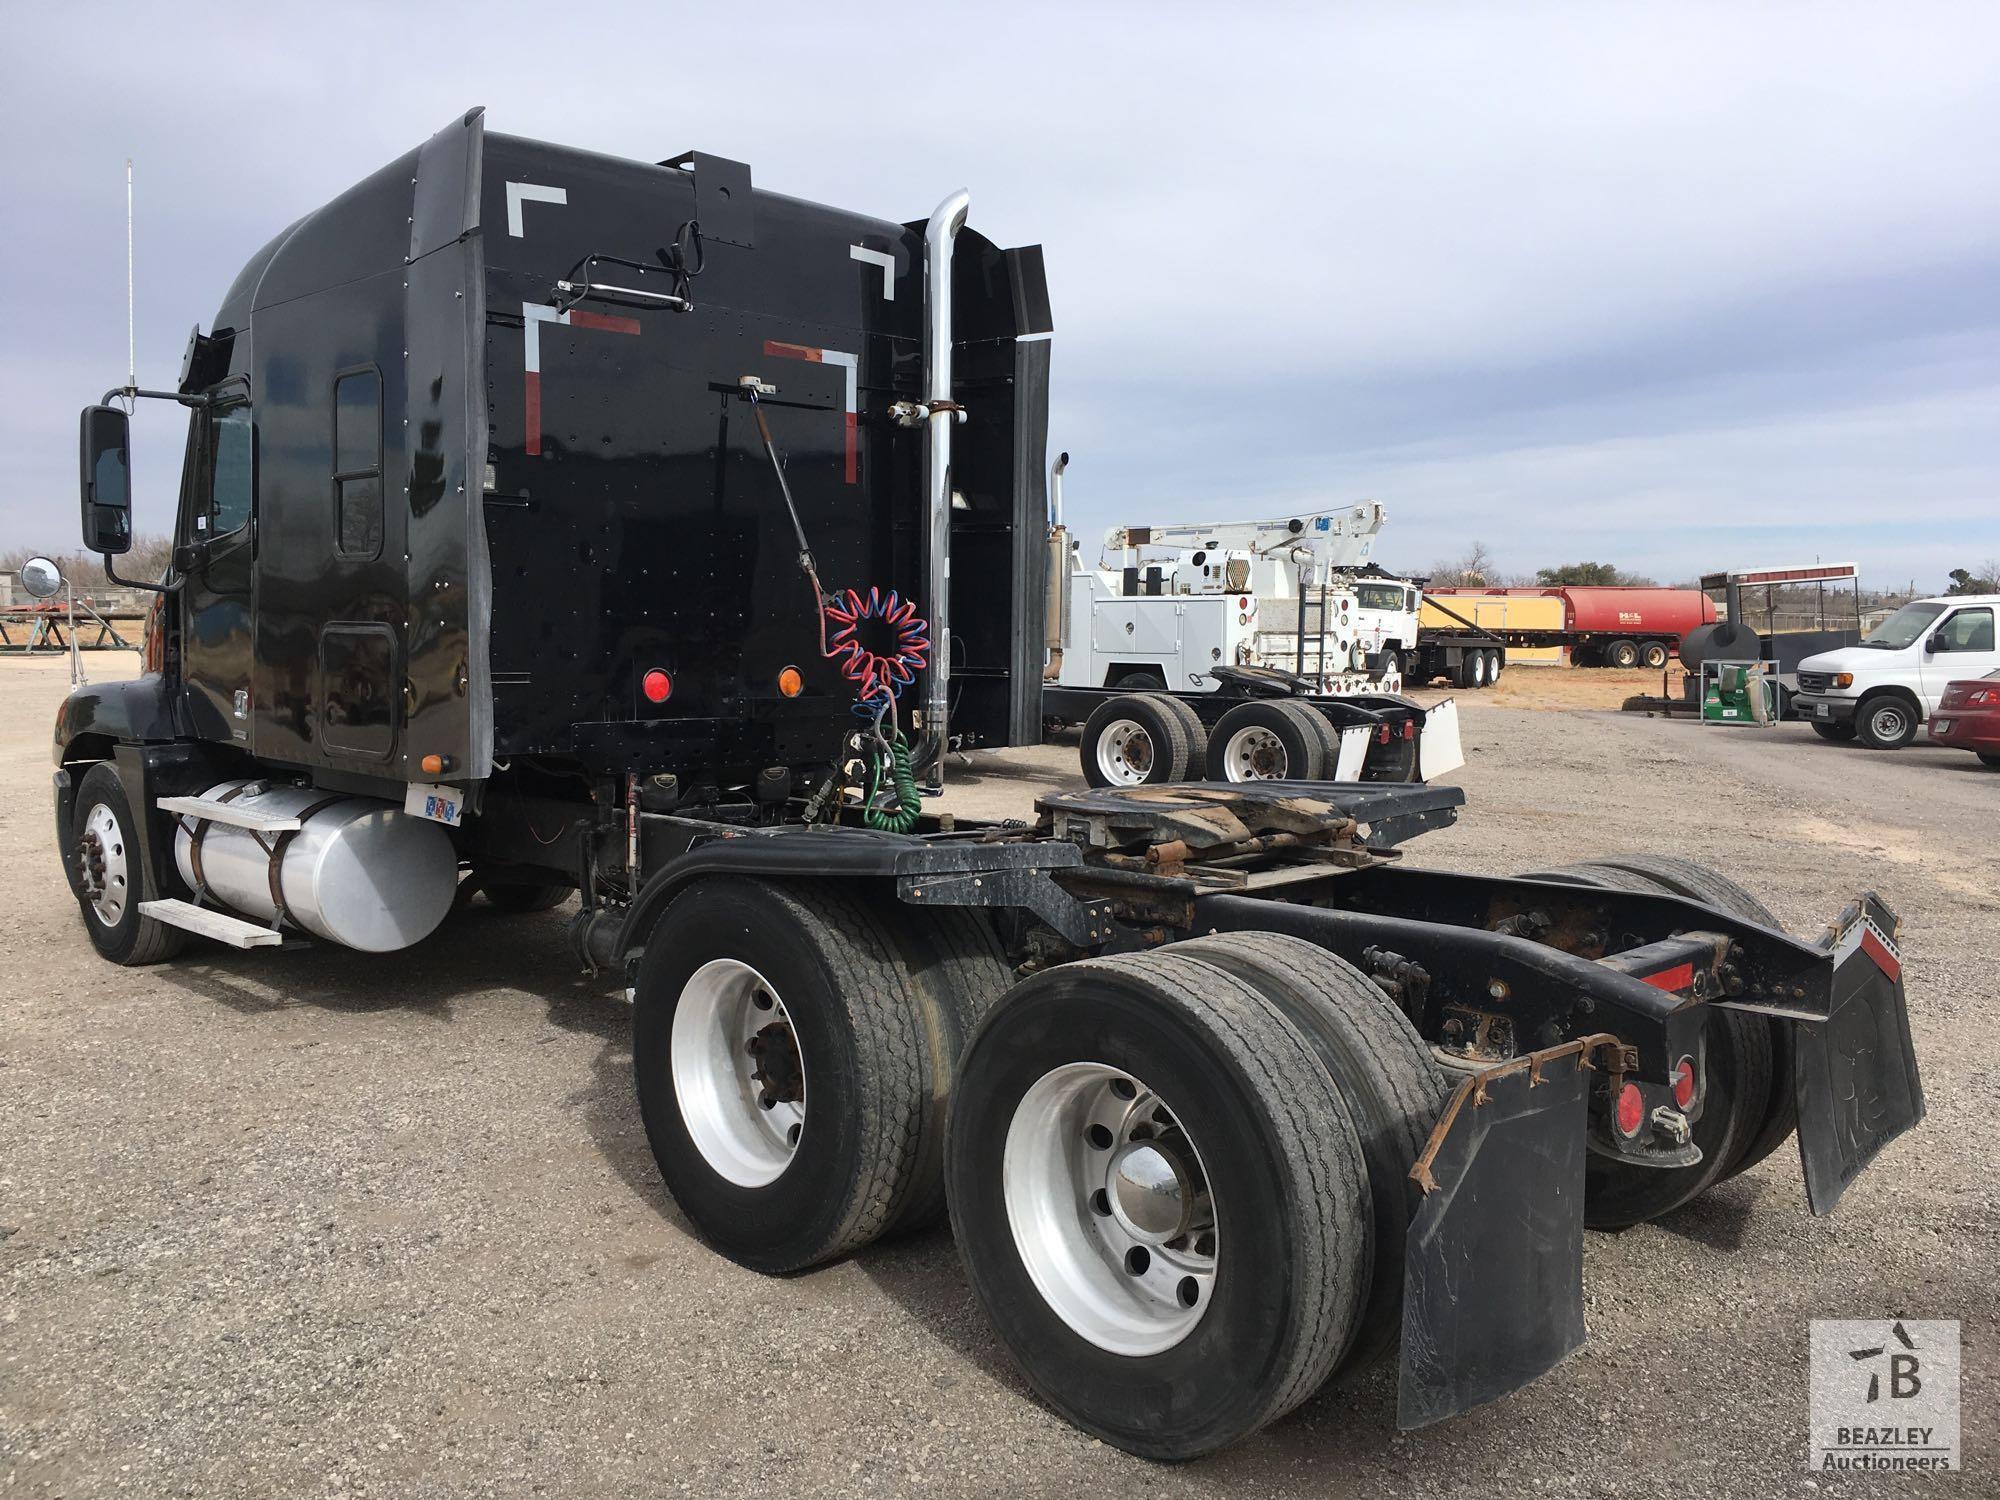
{"type": "Point", "coordinates": [1673, 286]}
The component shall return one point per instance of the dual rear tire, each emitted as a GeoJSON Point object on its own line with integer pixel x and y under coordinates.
{"type": "Point", "coordinates": [1477, 668]}
{"type": "Point", "coordinates": [1142, 739]}
{"type": "Point", "coordinates": [1148, 739]}
{"type": "Point", "coordinates": [1178, 1183]}
{"type": "Point", "coordinates": [1748, 1107]}
{"type": "Point", "coordinates": [1178, 1180]}
{"type": "Point", "coordinates": [793, 1050]}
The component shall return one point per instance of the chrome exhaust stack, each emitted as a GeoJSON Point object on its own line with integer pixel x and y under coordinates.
{"type": "Point", "coordinates": [1055, 593]}
{"type": "Point", "coordinates": [939, 235]}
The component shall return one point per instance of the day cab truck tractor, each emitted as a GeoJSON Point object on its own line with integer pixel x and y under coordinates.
{"type": "Point", "coordinates": [558, 524]}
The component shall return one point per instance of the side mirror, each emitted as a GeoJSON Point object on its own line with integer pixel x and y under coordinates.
{"type": "Point", "coordinates": [106, 446]}
{"type": "Point", "coordinates": [1936, 643]}
{"type": "Point", "coordinates": [41, 577]}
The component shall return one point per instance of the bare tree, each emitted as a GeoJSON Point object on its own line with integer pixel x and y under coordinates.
{"type": "Point", "coordinates": [1476, 567]}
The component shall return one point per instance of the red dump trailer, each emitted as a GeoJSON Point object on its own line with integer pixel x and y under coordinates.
{"type": "Point", "coordinates": [1611, 626]}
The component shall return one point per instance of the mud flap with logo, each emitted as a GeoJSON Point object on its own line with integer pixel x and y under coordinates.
{"type": "Point", "coordinates": [1493, 1267]}
{"type": "Point", "coordinates": [1855, 1073]}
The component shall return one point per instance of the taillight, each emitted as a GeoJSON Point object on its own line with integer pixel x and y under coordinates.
{"type": "Point", "coordinates": [791, 682]}
{"type": "Point", "coordinates": [657, 686]}
{"type": "Point", "coordinates": [1982, 697]}
{"type": "Point", "coordinates": [1684, 1082]}
{"type": "Point", "coordinates": [1409, 729]}
{"type": "Point", "coordinates": [1382, 735]}
{"type": "Point", "coordinates": [1630, 1111]}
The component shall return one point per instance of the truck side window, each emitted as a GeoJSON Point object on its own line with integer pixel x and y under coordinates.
{"type": "Point", "coordinates": [1968, 630]}
{"type": "Point", "coordinates": [231, 472]}
{"type": "Point", "coordinates": [357, 463]}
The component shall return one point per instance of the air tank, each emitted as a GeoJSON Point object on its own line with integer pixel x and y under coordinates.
{"type": "Point", "coordinates": [358, 871]}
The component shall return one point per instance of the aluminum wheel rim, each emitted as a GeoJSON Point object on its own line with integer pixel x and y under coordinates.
{"type": "Point", "coordinates": [1254, 753]}
{"type": "Point", "coordinates": [1110, 1209]}
{"type": "Point", "coordinates": [1125, 752]}
{"type": "Point", "coordinates": [101, 865]}
{"type": "Point", "coordinates": [728, 1052]}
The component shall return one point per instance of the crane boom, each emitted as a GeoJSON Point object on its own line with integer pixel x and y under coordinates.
{"type": "Point", "coordinates": [1331, 539]}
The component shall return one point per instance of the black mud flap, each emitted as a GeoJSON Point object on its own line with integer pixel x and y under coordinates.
{"type": "Point", "coordinates": [1493, 1268]}
{"type": "Point", "coordinates": [1855, 1073]}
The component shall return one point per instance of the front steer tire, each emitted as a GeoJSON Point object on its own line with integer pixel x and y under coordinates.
{"type": "Point", "coordinates": [1885, 721]}
{"type": "Point", "coordinates": [860, 1050]}
{"type": "Point", "coordinates": [130, 938]}
{"type": "Point", "coordinates": [1274, 1138]}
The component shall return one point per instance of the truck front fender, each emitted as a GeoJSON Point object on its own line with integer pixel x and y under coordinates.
{"type": "Point", "coordinates": [98, 716]}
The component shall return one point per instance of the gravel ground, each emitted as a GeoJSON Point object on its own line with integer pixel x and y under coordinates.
{"type": "Point", "coordinates": [314, 1224]}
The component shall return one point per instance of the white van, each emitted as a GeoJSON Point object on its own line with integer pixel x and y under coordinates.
{"type": "Point", "coordinates": [1879, 691]}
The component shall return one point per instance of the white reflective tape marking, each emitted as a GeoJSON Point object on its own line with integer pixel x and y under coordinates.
{"type": "Point", "coordinates": [529, 192]}
{"type": "Point", "coordinates": [878, 258]}
{"type": "Point", "coordinates": [850, 364]}
{"type": "Point", "coordinates": [533, 315]}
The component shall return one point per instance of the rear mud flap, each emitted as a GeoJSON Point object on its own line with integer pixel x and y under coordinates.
{"type": "Point", "coordinates": [1855, 1073]}
{"type": "Point", "coordinates": [1440, 752]}
{"type": "Point", "coordinates": [1354, 743]}
{"type": "Point", "coordinates": [1493, 1268]}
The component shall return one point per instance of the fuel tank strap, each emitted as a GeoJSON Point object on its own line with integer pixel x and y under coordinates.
{"type": "Point", "coordinates": [200, 832]}
{"type": "Point", "coordinates": [276, 851]}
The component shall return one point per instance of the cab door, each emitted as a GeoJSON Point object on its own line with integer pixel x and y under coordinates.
{"type": "Point", "coordinates": [217, 556]}
{"type": "Point", "coordinates": [1960, 645]}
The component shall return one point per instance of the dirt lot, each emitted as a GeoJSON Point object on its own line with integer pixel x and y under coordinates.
{"type": "Point", "coordinates": [314, 1224]}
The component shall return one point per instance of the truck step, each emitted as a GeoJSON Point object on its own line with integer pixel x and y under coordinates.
{"type": "Point", "coordinates": [235, 815]}
{"type": "Point", "coordinates": [207, 921]}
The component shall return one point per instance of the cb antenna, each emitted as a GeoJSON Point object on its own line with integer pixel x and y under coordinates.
{"type": "Point", "coordinates": [131, 325]}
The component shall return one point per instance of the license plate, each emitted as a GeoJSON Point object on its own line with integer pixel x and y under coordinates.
{"type": "Point", "coordinates": [1943, 726]}
{"type": "Point", "coordinates": [1824, 710]}
{"type": "Point", "coordinates": [440, 804]}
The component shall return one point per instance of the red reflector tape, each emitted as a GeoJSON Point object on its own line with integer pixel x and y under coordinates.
{"type": "Point", "coordinates": [1878, 950]}
{"type": "Point", "coordinates": [1680, 977]}
{"type": "Point", "coordinates": [581, 319]}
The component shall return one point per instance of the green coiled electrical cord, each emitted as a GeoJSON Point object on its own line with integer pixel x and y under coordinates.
{"type": "Point", "coordinates": [909, 802]}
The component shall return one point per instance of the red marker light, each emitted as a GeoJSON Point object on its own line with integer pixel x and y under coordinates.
{"type": "Point", "coordinates": [657, 686]}
{"type": "Point", "coordinates": [1684, 1082]}
{"type": "Point", "coordinates": [1631, 1110]}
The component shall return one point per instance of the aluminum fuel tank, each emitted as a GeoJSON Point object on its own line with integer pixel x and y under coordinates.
{"type": "Point", "coordinates": [358, 872]}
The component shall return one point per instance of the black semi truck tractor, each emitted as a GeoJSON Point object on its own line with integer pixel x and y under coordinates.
{"type": "Point", "coordinates": [553, 524]}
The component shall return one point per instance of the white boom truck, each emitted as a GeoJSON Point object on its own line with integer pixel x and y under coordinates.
{"type": "Point", "coordinates": [1228, 593]}
{"type": "Point", "coordinates": [1249, 636]}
